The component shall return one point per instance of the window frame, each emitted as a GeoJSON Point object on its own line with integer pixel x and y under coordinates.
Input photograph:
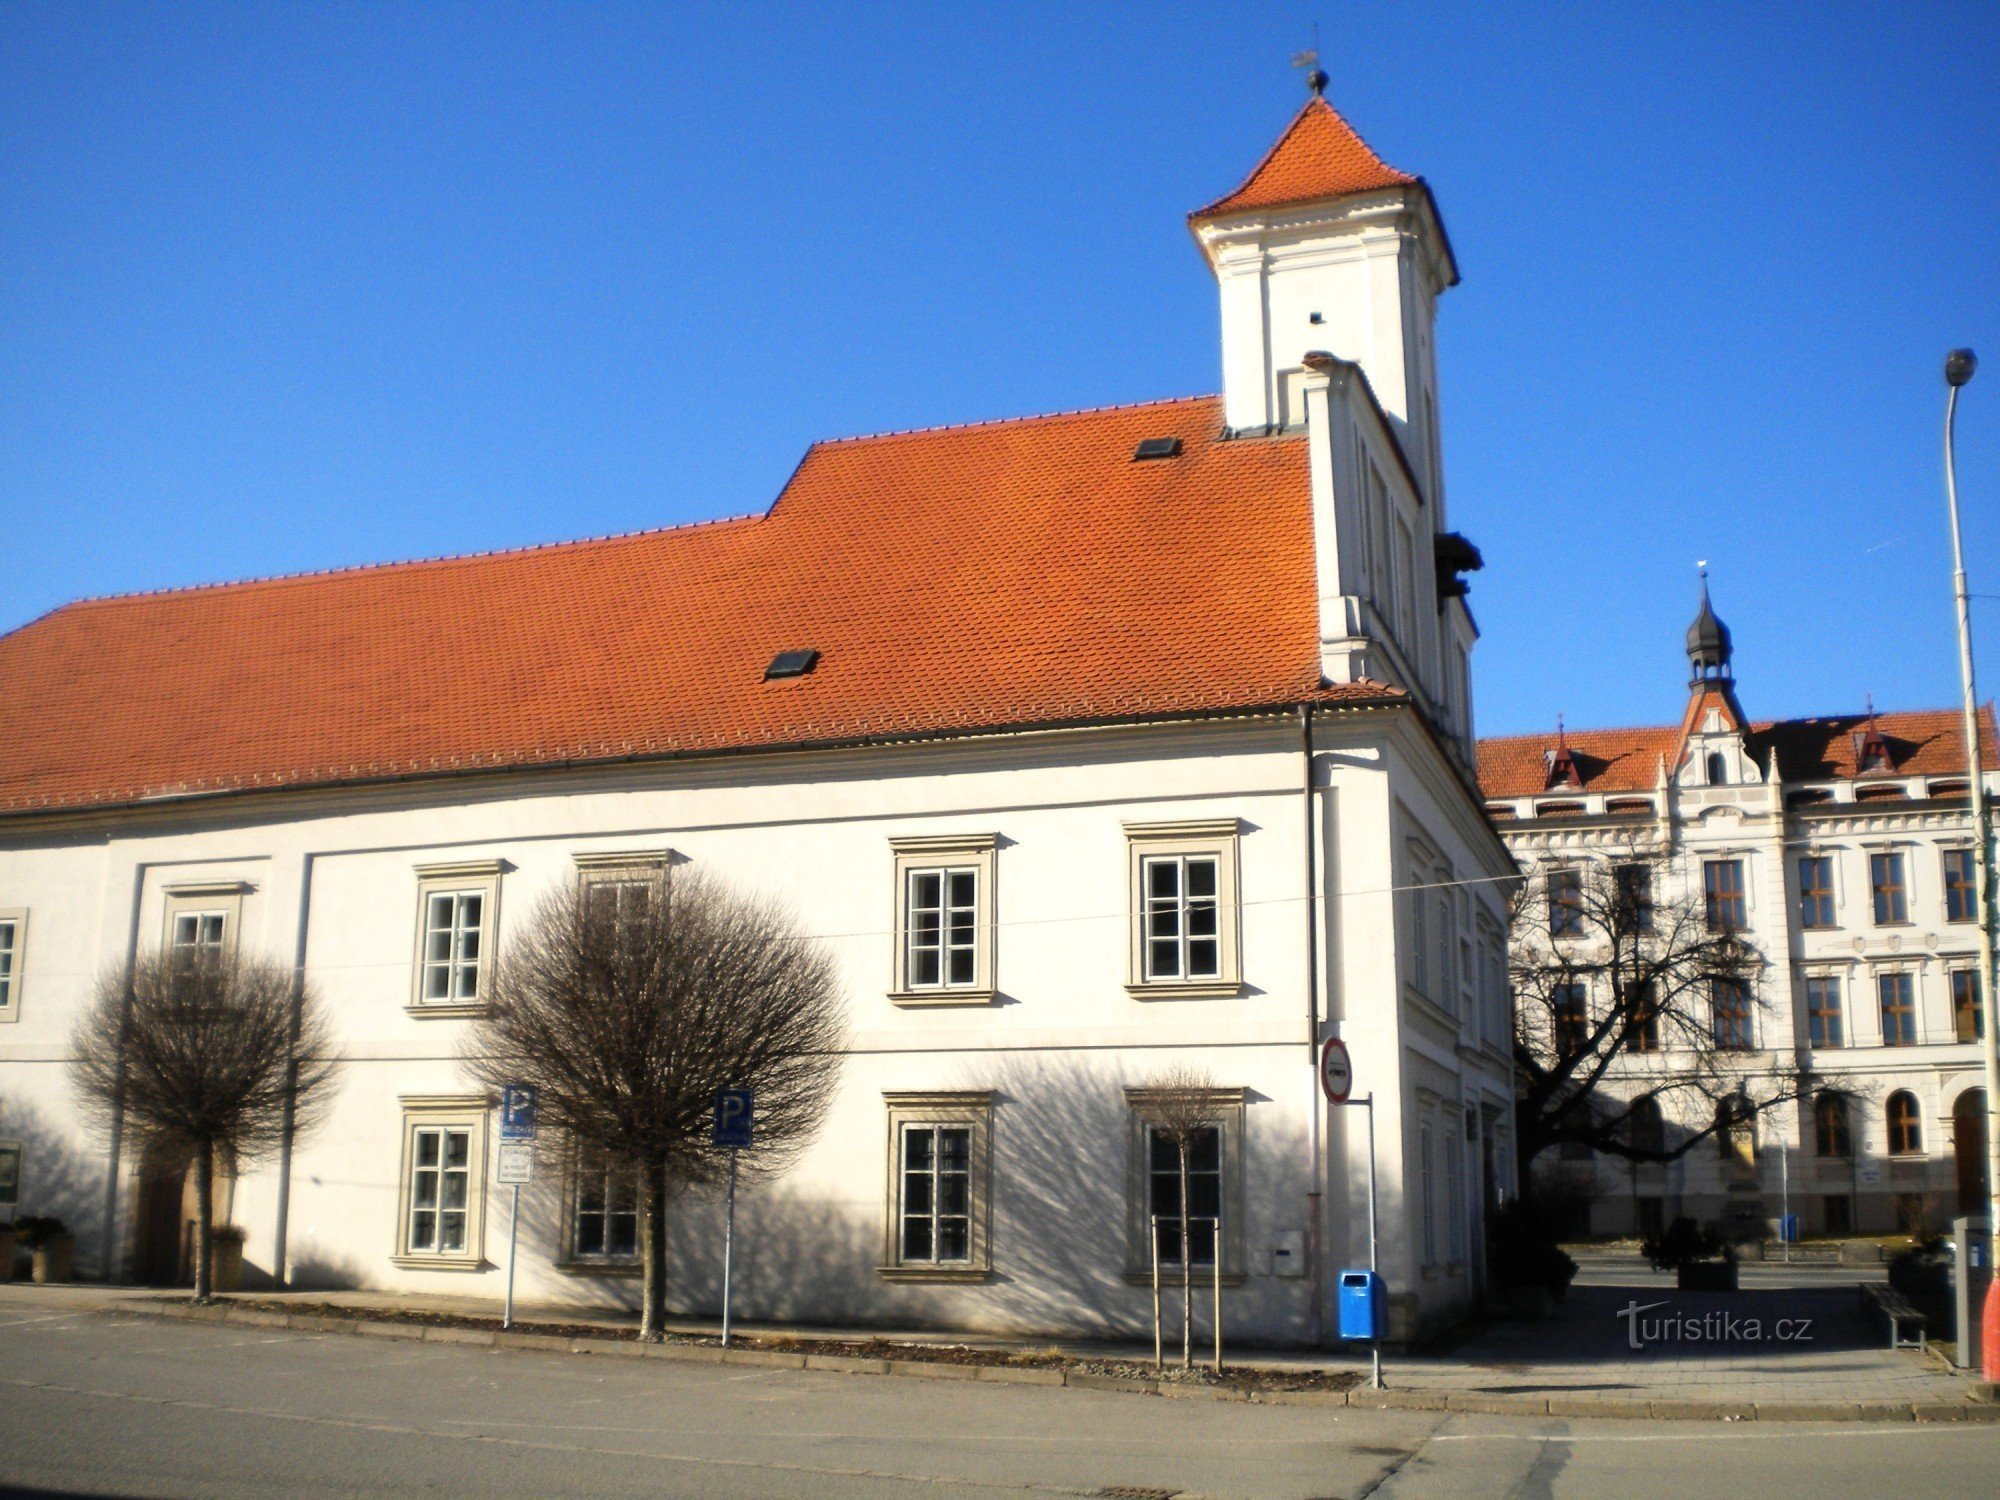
{"type": "Point", "coordinates": [1832, 1117]}
{"type": "Point", "coordinates": [1568, 878]}
{"type": "Point", "coordinates": [602, 1263]}
{"type": "Point", "coordinates": [1716, 901]}
{"type": "Point", "coordinates": [1228, 1105]}
{"type": "Point", "coordinates": [1905, 1137]}
{"type": "Point", "coordinates": [1815, 1031]}
{"type": "Point", "coordinates": [10, 1186]}
{"type": "Point", "coordinates": [1957, 978]}
{"type": "Point", "coordinates": [421, 1112]}
{"type": "Point", "coordinates": [1217, 838]}
{"type": "Point", "coordinates": [639, 867]}
{"type": "Point", "coordinates": [942, 853]}
{"type": "Point", "coordinates": [1566, 1022]}
{"type": "Point", "coordinates": [1912, 1033]}
{"type": "Point", "coordinates": [1744, 1020]}
{"type": "Point", "coordinates": [970, 1109]}
{"type": "Point", "coordinates": [15, 919]}
{"type": "Point", "coordinates": [459, 878]}
{"type": "Point", "coordinates": [1821, 896]}
{"type": "Point", "coordinates": [1964, 890]}
{"type": "Point", "coordinates": [1898, 890]}
{"type": "Point", "coordinates": [209, 898]}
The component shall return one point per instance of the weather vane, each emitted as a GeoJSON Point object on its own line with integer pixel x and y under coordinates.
{"type": "Point", "coordinates": [1316, 78]}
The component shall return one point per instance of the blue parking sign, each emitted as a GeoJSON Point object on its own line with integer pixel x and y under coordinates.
{"type": "Point", "coordinates": [732, 1118]}
{"type": "Point", "coordinates": [517, 1112]}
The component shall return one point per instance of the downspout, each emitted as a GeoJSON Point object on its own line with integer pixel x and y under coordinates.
{"type": "Point", "coordinates": [1315, 1115]}
{"type": "Point", "coordinates": [280, 1271]}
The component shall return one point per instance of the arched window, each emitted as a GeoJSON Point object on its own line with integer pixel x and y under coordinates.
{"type": "Point", "coordinates": [1906, 1129]}
{"type": "Point", "coordinates": [1644, 1127]}
{"type": "Point", "coordinates": [1830, 1133]}
{"type": "Point", "coordinates": [1718, 768]}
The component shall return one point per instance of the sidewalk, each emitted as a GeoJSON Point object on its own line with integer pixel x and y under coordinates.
{"type": "Point", "coordinates": [1700, 1356]}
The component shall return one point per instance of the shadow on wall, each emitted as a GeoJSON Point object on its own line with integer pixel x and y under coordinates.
{"type": "Point", "coordinates": [59, 1179]}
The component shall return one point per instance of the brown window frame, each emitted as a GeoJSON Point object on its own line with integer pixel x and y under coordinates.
{"type": "Point", "coordinates": [1726, 906]}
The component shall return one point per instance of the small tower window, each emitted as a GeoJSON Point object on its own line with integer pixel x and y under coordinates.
{"type": "Point", "coordinates": [1718, 768]}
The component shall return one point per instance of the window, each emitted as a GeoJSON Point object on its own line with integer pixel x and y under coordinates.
{"type": "Point", "coordinates": [1731, 1001]}
{"type": "Point", "coordinates": [1823, 1022]}
{"type": "Point", "coordinates": [1642, 1028]}
{"type": "Point", "coordinates": [1565, 895]}
{"type": "Point", "coordinates": [202, 920]}
{"type": "Point", "coordinates": [1634, 887]}
{"type": "Point", "coordinates": [1959, 889]}
{"type": "Point", "coordinates": [623, 887]}
{"type": "Point", "coordinates": [1722, 886]}
{"type": "Point", "coordinates": [944, 920]}
{"type": "Point", "coordinates": [1816, 891]}
{"type": "Point", "coordinates": [1204, 1195]}
{"type": "Point", "coordinates": [1183, 901]}
{"type": "Point", "coordinates": [13, 948]}
{"type": "Point", "coordinates": [1645, 1127]}
{"type": "Point", "coordinates": [604, 1210]}
{"type": "Point", "coordinates": [1454, 1197]}
{"type": "Point", "coordinates": [1885, 880]}
{"type": "Point", "coordinates": [938, 1171]}
{"type": "Point", "coordinates": [1427, 1154]}
{"type": "Point", "coordinates": [442, 1202]}
{"type": "Point", "coordinates": [1717, 767]}
{"type": "Point", "coordinates": [1837, 1210]}
{"type": "Point", "coordinates": [1906, 1130]}
{"type": "Point", "coordinates": [456, 906]}
{"type": "Point", "coordinates": [1968, 1016]}
{"type": "Point", "coordinates": [1215, 1187]}
{"type": "Point", "coordinates": [443, 1199]}
{"type": "Point", "coordinates": [10, 1176]}
{"type": "Point", "coordinates": [1897, 991]}
{"type": "Point", "coordinates": [1831, 1136]}
{"type": "Point", "coordinates": [1736, 1133]}
{"type": "Point", "coordinates": [1571, 1016]}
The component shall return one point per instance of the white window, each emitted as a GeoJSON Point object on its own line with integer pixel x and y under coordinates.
{"type": "Point", "coordinates": [939, 1161]}
{"type": "Point", "coordinates": [944, 919]}
{"type": "Point", "coordinates": [1214, 1195]}
{"type": "Point", "coordinates": [13, 950]}
{"type": "Point", "coordinates": [202, 920]}
{"type": "Point", "coordinates": [457, 907]}
{"type": "Point", "coordinates": [604, 1210]}
{"type": "Point", "coordinates": [441, 1204]}
{"type": "Point", "coordinates": [1204, 1195]}
{"type": "Point", "coordinates": [1184, 915]}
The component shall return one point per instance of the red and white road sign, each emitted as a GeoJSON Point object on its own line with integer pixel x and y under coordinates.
{"type": "Point", "coordinates": [1336, 1070]}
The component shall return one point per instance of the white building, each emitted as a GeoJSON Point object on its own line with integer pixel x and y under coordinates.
{"type": "Point", "coordinates": [1841, 849]}
{"type": "Point", "coordinates": [1199, 663]}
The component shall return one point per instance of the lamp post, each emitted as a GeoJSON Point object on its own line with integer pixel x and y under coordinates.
{"type": "Point", "coordinates": [1958, 368]}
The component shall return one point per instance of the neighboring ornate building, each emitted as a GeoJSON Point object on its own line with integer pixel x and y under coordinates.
{"type": "Point", "coordinates": [1841, 849]}
{"type": "Point", "coordinates": [1089, 743]}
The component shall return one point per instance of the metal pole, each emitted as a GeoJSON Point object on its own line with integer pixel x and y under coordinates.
{"type": "Point", "coordinates": [1784, 1200]}
{"type": "Point", "coordinates": [1153, 1235]}
{"type": "Point", "coordinates": [728, 1248]}
{"type": "Point", "coordinates": [1374, 1344]}
{"type": "Point", "coordinates": [513, 1239]}
{"type": "Point", "coordinates": [1956, 374]}
{"type": "Point", "coordinates": [1216, 1261]}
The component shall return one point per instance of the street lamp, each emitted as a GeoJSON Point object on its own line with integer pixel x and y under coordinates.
{"type": "Point", "coordinates": [1958, 369]}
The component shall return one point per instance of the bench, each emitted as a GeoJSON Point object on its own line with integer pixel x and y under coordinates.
{"type": "Point", "coordinates": [1897, 1310]}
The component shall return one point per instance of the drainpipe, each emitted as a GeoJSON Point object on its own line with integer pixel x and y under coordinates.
{"type": "Point", "coordinates": [280, 1271]}
{"type": "Point", "coordinates": [1315, 1115]}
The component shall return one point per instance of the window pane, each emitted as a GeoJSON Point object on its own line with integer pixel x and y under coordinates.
{"type": "Point", "coordinates": [451, 1231]}
{"type": "Point", "coordinates": [458, 1148]}
{"type": "Point", "coordinates": [1163, 959]}
{"type": "Point", "coordinates": [1204, 959]}
{"type": "Point", "coordinates": [1163, 879]}
{"type": "Point", "coordinates": [954, 1236]}
{"type": "Point", "coordinates": [424, 1190]}
{"type": "Point", "coordinates": [916, 1238]}
{"type": "Point", "coordinates": [1201, 879]}
{"type": "Point", "coordinates": [963, 888]}
{"type": "Point", "coordinates": [427, 1148]}
{"type": "Point", "coordinates": [624, 1236]}
{"type": "Point", "coordinates": [454, 1190]}
{"type": "Point", "coordinates": [423, 1230]}
{"type": "Point", "coordinates": [590, 1234]}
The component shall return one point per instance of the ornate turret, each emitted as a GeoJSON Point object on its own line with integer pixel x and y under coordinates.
{"type": "Point", "coordinates": [1708, 645]}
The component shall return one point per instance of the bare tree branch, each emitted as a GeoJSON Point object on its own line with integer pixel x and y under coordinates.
{"type": "Point", "coordinates": [1180, 1107]}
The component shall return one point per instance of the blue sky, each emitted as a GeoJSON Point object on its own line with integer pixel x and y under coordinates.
{"type": "Point", "coordinates": [287, 287]}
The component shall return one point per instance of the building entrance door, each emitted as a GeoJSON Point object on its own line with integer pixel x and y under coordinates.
{"type": "Point", "coordinates": [1968, 1134]}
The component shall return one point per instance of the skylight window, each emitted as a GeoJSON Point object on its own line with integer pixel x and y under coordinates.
{"type": "Point", "coordinates": [791, 664]}
{"type": "Point", "coordinates": [1151, 448]}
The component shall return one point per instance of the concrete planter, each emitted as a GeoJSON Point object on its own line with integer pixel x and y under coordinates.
{"type": "Point", "coordinates": [6, 1252]}
{"type": "Point", "coordinates": [55, 1259]}
{"type": "Point", "coordinates": [1706, 1276]}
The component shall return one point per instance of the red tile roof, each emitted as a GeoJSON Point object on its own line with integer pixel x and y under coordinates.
{"type": "Point", "coordinates": [967, 578]}
{"type": "Point", "coordinates": [1319, 156]}
{"type": "Point", "coordinates": [1924, 743]}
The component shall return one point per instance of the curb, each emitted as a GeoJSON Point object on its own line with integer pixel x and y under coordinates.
{"type": "Point", "coordinates": [1556, 1404]}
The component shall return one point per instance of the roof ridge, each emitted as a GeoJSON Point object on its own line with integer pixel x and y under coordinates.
{"type": "Point", "coordinates": [1041, 416]}
{"type": "Point", "coordinates": [443, 559]}
{"type": "Point", "coordinates": [1755, 724]}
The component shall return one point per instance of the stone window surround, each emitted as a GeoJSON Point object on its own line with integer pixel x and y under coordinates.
{"type": "Point", "coordinates": [458, 1111]}
{"type": "Point", "coordinates": [482, 876]}
{"type": "Point", "coordinates": [1220, 837]}
{"type": "Point", "coordinates": [567, 1260]}
{"type": "Point", "coordinates": [972, 1109]}
{"type": "Point", "coordinates": [977, 852]}
{"type": "Point", "coordinates": [203, 896]}
{"type": "Point", "coordinates": [10, 997]}
{"type": "Point", "coordinates": [1229, 1106]}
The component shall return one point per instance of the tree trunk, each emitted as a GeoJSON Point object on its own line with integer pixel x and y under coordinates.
{"type": "Point", "coordinates": [653, 1251]}
{"type": "Point", "coordinates": [204, 1221]}
{"type": "Point", "coordinates": [1187, 1270]}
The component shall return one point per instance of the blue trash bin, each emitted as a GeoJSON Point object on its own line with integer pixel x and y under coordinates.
{"type": "Point", "coordinates": [1788, 1228]}
{"type": "Point", "coordinates": [1361, 1305]}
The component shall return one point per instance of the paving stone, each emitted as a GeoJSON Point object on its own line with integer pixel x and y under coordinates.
{"type": "Point", "coordinates": [371, 1328]}
{"type": "Point", "coordinates": [1500, 1403]}
{"type": "Point", "coordinates": [1021, 1374]}
{"type": "Point", "coordinates": [933, 1369]}
{"type": "Point", "coordinates": [1628, 1408]}
{"type": "Point", "coordinates": [1089, 1382]}
{"type": "Point", "coordinates": [849, 1364]}
{"type": "Point", "coordinates": [1704, 1411]}
{"type": "Point", "coordinates": [440, 1335]}
{"type": "Point", "coordinates": [766, 1359]}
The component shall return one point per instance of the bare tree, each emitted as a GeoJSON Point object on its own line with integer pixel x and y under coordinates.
{"type": "Point", "coordinates": [1180, 1107]}
{"type": "Point", "coordinates": [630, 1007]}
{"type": "Point", "coordinates": [205, 1054]}
{"type": "Point", "coordinates": [1634, 1015]}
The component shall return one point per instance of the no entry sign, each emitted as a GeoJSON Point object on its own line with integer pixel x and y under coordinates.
{"type": "Point", "coordinates": [1336, 1070]}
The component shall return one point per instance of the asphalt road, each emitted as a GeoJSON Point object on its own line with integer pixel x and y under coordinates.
{"type": "Point", "coordinates": [92, 1404]}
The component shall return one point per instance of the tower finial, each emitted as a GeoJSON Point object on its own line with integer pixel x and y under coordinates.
{"type": "Point", "coordinates": [1316, 76]}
